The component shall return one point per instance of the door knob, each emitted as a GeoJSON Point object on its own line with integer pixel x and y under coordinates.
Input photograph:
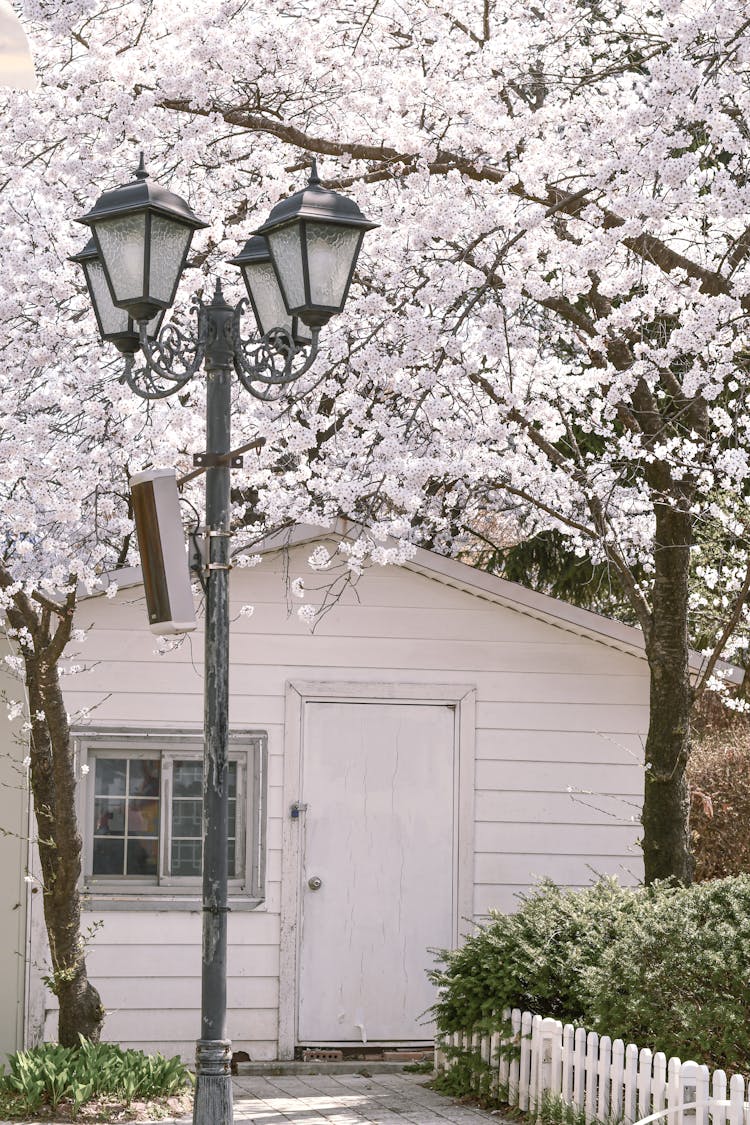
{"type": "Point", "coordinates": [315, 883]}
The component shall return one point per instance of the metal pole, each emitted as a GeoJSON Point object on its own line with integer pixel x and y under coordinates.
{"type": "Point", "coordinates": [213, 1088]}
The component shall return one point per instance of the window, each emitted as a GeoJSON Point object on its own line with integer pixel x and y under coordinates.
{"type": "Point", "coordinates": [142, 807]}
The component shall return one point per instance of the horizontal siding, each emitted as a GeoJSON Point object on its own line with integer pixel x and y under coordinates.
{"type": "Point", "coordinates": [561, 716]}
{"type": "Point", "coordinates": [546, 809]}
{"type": "Point", "coordinates": [146, 928]}
{"type": "Point", "coordinates": [265, 584]}
{"type": "Point", "coordinates": [615, 747]}
{"type": "Point", "coordinates": [406, 623]}
{"type": "Point", "coordinates": [175, 993]}
{"type": "Point", "coordinates": [520, 870]}
{"type": "Point", "coordinates": [155, 1029]}
{"type": "Point", "coordinates": [554, 710]}
{"type": "Point", "coordinates": [259, 1050]}
{"type": "Point", "coordinates": [165, 1024]}
{"type": "Point", "coordinates": [493, 837]}
{"type": "Point", "coordinates": [166, 961]}
{"type": "Point", "coordinates": [556, 777]}
{"type": "Point", "coordinates": [399, 655]}
{"type": "Point", "coordinates": [269, 679]}
{"type": "Point", "coordinates": [175, 709]}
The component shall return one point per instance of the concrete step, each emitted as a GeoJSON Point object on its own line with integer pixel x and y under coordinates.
{"type": "Point", "coordinates": [365, 1067]}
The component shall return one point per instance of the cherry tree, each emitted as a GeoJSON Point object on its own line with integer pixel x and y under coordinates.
{"type": "Point", "coordinates": [550, 321]}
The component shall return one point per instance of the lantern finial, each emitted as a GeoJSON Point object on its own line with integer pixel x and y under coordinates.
{"type": "Point", "coordinates": [140, 172]}
{"type": "Point", "coordinates": [314, 180]}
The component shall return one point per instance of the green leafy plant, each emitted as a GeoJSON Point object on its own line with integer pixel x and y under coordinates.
{"type": "Point", "coordinates": [425, 1066]}
{"type": "Point", "coordinates": [554, 1111]}
{"type": "Point", "coordinates": [51, 1074]}
{"type": "Point", "coordinates": [535, 959]}
{"type": "Point", "coordinates": [467, 1073]}
{"type": "Point", "coordinates": [676, 976]}
{"type": "Point", "coordinates": [663, 966]}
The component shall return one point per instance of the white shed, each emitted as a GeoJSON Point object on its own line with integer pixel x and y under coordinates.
{"type": "Point", "coordinates": [441, 740]}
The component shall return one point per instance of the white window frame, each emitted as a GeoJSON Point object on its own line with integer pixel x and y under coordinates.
{"type": "Point", "coordinates": [166, 891]}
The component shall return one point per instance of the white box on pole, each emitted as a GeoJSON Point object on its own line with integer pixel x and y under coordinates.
{"type": "Point", "coordinates": [164, 561]}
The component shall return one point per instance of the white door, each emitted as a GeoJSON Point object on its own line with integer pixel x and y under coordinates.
{"type": "Point", "coordinates": [377, 833]}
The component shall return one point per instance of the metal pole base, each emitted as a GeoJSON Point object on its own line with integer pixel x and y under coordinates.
{"type": "Point", "coordinates": [213, 1082]}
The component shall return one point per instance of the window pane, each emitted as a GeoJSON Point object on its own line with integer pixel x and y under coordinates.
{"type": "Point", "coordinates": [143, 857]}
{"type": "Point", "coordinates": [109, 856]}
{"type": "Point", "coordinates": [187, 814]}
{"type": "Point", "coordinates": [144, 777]}
{"type": "Point", "coordinates": [143, 817]}
{"type": "Point", "coordinates": [188, 779]}
{"type": "Point", "coordinates": [126, 816]}
{"type": "Point", "coordinates": [121, 241]}
{"type": "Point", "coordinates": [109, 778]}
{"type": "Point", "coordinates": [186, 857]}
{"type": "Point", "coordinates": [109, 816]}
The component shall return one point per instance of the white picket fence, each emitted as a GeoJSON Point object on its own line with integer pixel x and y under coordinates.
{"type": "Point", "coordinates": [608, 1081]}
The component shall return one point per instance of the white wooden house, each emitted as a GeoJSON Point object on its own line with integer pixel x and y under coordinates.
{"type": "Point", "coordinates": [440, 741]}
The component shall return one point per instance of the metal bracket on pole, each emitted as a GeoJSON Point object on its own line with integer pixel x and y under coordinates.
{"type": "Point", "coordinates": [214, 533]}
{"type": "Point", "coordinates": [217, 460]}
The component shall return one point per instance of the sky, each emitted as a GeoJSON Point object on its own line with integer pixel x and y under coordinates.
{"type": "Point", "coordinates": [16, 67]}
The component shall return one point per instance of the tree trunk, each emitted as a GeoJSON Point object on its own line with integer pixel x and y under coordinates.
{"type": "Point", "coordinates": [666, 829]}
{"type": "Point", "coordinates": [53, 786]}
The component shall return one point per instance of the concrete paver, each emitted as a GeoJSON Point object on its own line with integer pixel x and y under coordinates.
{"type": "Point", "coordinates": [346, 1099]}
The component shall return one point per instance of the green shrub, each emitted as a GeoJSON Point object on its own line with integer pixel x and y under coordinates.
{"type": "Point", "coordinates": [534, 959]}
{"type": "Point", "coordinates": [677, 975]}
{"type": "Point", "coordinates": [662, 966]}
{"type": "Point", "coordinates": [50, 1074]}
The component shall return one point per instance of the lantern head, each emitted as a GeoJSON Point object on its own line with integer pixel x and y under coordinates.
{"type": "Point", "coordinates": [314, 238]}
{"type": "Point", "coordinates": [115, 325]}
{"type": "Point", "coordinates": [142, 234]}
{"type": "Point", "coordinates": [263, 290]}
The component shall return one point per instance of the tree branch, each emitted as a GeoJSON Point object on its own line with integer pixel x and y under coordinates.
{"type": "Point", "coordinates": [729, 626]}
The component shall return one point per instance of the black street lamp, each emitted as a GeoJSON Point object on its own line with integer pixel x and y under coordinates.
{"type": "Point", "coordinates": [297, 269]}
{"type": "Point", "coordinates": [264, 291]}
{"type": "Point", "coordinates": [115, 325]}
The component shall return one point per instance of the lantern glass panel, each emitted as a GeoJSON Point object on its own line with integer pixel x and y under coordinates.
{"type": "Point", "coordinates": [331, 251]}
{"type": "Point", "coordinates": [301, 334]}
{"type": "Point", "coordinates": [169, 243]}
{"type": "Point", "coordinates": [286, 249]}
{"type": "Point", "coordinates": [113, 320]}
{"type": "Point", "coordinates": [263, 285]}
{"type": "Point", "coordinates": [122, 245]}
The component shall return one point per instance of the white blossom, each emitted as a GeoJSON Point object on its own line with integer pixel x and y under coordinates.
{"type": "Point", "coordinates": [307, 613]}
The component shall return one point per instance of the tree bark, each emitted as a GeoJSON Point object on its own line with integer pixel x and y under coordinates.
{"type": "Point", "coordinates": [53, 787]}
{"type": "Point", "coordinates": [666, 829]}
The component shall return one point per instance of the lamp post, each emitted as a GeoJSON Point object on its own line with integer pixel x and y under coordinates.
{"type": "Point", "coordinates": [297, 269]}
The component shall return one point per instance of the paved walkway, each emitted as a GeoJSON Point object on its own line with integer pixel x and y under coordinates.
{"type": "Point", "coordinates": [347, 1099]}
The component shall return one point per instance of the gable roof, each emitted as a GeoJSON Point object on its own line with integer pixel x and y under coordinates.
{"type": "Point", "coordinates": [476, 582]}
{"type": "Point", "coordinates": [499, 591]}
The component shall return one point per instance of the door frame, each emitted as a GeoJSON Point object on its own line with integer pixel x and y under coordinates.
{"type": "Point", "coordinates": [462, 697]}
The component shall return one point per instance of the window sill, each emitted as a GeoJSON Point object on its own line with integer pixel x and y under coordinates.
{"type": "Point", "coordinates": [144, 901]}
